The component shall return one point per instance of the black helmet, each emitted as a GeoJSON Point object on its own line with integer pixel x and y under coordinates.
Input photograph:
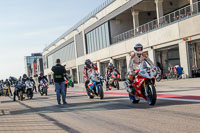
{"type": "Point", "coordinates": [24, 76]}
{"type": "Point", "coordinates": [138, 48]}
{"type": "Point", "coordinates": [41, 74]}
{"type": "Point", "coordinates": [88, 63]}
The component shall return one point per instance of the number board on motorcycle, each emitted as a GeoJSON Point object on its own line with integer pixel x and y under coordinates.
{"type": "Point", "coordinates": [95, 79]}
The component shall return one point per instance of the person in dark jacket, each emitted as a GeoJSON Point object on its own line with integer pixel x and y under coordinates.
{"type": "Point", "coordinates": [59, 72]}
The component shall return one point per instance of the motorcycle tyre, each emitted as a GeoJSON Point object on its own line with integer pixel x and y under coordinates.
{"type": "Point", "coordinates": [89, 94]}
{"type": "Point", "coordinates": [154, 96]}
{"type": "Point", "coordinates": [101, 94]}
{"type": "Point", "coordinates": [133, 100]}
{"type": "Point", "coordinates": [117, 85]}
{"type": "Point", "coordinates": [20, 95]}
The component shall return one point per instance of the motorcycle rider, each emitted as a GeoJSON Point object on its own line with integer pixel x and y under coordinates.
{"type": "Point", "coordinates": [110, 69]}
{"type": "Point", "coordinates": [7, 83]}
{"type": "Point", "coordinates": [40, 78]}
{"type": "Point", "coordinates": [24, 79]}
{"type": "Point", "coordinates": [88, 68]}
{"type": "Point", "coordinates": [136, 58]}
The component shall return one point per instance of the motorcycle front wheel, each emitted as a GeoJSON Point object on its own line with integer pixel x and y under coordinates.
{"type": "Point", "coordinates": [152, 96]}
{"type": "Point", "coordinates": [117, 85]}
{"type": "Point", "coordinates": [20, 95]}
{"type": "Point", "coordinates": [101, 94]}
{"type": "Point", "coordinates": [30, 94]}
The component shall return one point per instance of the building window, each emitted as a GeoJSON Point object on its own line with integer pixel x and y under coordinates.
{"type": "Point", "coordinates": [98, 38]}
{"type": "Point", "coordinates": [65, 54]}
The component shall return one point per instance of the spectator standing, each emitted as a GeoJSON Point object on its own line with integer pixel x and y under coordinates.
{"type": "Point", "coordinates": [59, 72]}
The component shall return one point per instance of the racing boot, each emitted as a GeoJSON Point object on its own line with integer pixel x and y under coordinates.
{"type": "Point", "coordinates": [128, 86]}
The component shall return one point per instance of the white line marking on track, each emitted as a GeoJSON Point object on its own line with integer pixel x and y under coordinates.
{"type": "Point", "coordinates": [176, 99]}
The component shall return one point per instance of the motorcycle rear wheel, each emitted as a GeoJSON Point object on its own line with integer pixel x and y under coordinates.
{"type": "Point", "coordinates": [89, 94]}
{"type": "Point", "coordinates": [133, 100]}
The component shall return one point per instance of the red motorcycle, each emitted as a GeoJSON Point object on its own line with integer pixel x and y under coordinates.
{"type": "Point", "coordinates": [145, 85]}
{"type": "Point", "coordinates": [114, 80]}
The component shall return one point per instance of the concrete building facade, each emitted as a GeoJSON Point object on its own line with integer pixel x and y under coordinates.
{"type": "Point", "coordinates": [168, 29]}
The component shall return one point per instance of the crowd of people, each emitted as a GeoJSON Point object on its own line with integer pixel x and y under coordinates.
{"type": "Point", "coordinates": [60, 74]}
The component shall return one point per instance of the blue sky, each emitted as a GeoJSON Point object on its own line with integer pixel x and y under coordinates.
{"type": "Point", "coordinates": [27, 26]}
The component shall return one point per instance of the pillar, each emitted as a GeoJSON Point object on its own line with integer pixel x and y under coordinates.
{"type": "Point", "coordinates": [151, 54]}
{"type": "Point", "coordinates": [84, 42]}
{"type": "Point", "coordinates": [184, 61]}
{"type": "Point", "coordinates": [99, 66]}
{"type": "Point", "coordinates": [75, 46]}
{"type": "Point", "coordinates": [78, 78]}
{"type": "Point", "coordinates": [159, 9]}
{"type": "Point", "coordinates": [191, 4]}
{"type": "Point", "coordinates": [128, 56]}
{"type": "Point", "coordinates": [135, 15]}
{"type": "Point", "coordinates": [120, 67]}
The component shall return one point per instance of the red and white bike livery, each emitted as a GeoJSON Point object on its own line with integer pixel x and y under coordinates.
{"type": "Point", "coordinates": [144, 84]}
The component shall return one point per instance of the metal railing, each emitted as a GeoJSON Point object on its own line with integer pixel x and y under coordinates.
{"type": "Point", "coordinates": [157, 23]}
{"type": "Point", "coordinates": [82, 21]}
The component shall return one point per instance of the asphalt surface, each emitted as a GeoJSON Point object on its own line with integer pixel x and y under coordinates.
{"type": "Point", "coordinates": [114, 114]}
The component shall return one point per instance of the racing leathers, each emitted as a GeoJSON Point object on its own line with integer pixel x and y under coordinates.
{"type": "Point", "coordinates": [87, 72]}
{"type": "Point", "coordinates": [108, 74]}
{"type": "Point", "coordinates": [134, 62]}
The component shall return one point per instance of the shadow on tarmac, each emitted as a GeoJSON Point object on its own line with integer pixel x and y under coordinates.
{"type": "Point", "coordinates": [109, 103]}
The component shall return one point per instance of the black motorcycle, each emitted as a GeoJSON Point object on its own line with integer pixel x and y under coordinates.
{"type": "Point", "coordinates": [19, 91]}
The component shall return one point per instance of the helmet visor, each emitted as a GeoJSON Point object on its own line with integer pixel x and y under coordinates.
{"type": "Point", "coordinates": [138, 49]}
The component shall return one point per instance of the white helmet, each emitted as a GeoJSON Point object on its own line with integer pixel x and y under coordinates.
{"type": "Point", "coordinates": [110, 64]}
{"type": "Point", "coordinates": [138, 48]}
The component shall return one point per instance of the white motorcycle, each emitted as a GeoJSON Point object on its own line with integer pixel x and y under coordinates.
{"type": "Point", "coordinates": [29, 89]}
{"type": "Point", "coordinates": [43, 87]}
